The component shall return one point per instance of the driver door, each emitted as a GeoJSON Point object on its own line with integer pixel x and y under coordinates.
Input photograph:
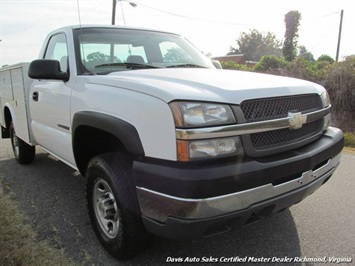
{"type": "Point", "coordinates": [50, 105]}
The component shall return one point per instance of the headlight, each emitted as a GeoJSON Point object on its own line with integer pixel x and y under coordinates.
{"type": "Point", "coordinates": [325, 98]}
{"type": "Point", "coordinates": [194, 114]}
{"type": "Point", "coordinates": [209, 148]}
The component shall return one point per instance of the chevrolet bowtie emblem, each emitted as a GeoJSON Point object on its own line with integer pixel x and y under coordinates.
{"type": "Point", "coordinates": [296, 120]}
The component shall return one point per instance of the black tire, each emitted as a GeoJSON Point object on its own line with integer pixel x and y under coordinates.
{"type": "Point", "coordinates": [113, 205]}
{"type": "Point", "coordinates": [23, 152]}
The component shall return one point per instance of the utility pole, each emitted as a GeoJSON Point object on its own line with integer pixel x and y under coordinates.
{"type": "Point", "coordinates": [113, 12]}
{"type": "Point", "coordinates": [114, 3]}
{"type": "Point", "coordinates": [339, 36]}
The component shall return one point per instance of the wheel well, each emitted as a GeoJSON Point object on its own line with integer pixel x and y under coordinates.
{"type": "Point", "coordinates": [89, 142]}
{"type": "Point", "coordinates": [8, 118]}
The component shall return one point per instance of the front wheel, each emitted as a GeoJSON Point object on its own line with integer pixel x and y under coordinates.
{"type": "Point", "coordinates": [113, 205]}
{"type": "Point", "coordinates": [23, 152]}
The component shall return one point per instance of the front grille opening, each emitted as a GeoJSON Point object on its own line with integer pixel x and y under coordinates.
{"type": "Point", "coordinates": [271, 142]}
{"type": "Point", "coordinates": [279, 107]}
{"type": "Point", "coordinates": [269, 139]}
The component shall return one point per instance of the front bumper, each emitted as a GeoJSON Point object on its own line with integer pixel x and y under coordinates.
{"type": "Point", "coordinates": [178, 217]}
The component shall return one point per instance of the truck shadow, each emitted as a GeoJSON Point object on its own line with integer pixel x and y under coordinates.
{"type": "Point", "coordinates": [52, 196]}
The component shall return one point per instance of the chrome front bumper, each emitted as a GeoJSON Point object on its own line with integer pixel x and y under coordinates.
{"type": "Point", "coordinates": [158, 206]}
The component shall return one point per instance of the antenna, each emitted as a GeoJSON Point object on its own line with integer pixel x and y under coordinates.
{"type": "Point", "coordinates": [80, 36]}
{"type": "Point", "coordinates": [124, 20]}
{"type": "Point", "coordinates": [77, 1]}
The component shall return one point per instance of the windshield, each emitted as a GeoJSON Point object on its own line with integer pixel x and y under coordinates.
{"type": "Point", "coordinates": [105, 50]}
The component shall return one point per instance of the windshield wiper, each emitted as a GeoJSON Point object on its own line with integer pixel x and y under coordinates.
{"type": "Point", "coordinates": [127, 64]}
{"type": "Point", "coordinates": [186, 65]}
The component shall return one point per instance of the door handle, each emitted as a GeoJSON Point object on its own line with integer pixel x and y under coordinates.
{"type": "Point", "coordinates": [35, 96]}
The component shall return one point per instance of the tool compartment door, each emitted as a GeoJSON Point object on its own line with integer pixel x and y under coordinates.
{"type": "Point", "coordinates": [14, 95]}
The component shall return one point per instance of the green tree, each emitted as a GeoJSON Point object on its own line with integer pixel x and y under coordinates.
{"type": "Point", "coordinates": [305, 54]}
{"type": "Point", "coordinates": [324, 64]}
{"type": "Point", "coordinates": [292, 21]}
{"type": "Point", "coordinates": [325, 57]}
{"type": "Point", "coordinates": [254, 45]}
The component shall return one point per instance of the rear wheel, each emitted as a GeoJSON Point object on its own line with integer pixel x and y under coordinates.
{"type": "Point", "coordinates": [113, 206]}
{"type": "Point", "coordinates": [23, 152]}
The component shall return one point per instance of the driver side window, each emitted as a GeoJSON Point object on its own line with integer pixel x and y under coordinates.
{"type": "Point", "coordinates": [57, 50]}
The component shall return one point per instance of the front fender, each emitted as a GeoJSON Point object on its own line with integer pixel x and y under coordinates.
{"type": "Point", "coordinates": [122, 130]}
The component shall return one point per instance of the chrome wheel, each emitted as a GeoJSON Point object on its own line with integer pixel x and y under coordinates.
{"type": "Point", "coordinates": [105, 208]}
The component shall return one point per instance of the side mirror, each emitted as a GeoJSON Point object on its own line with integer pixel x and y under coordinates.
{"type": "Point", "coordinates": [217, 64]}
{"type": "Point", "coordinates": [46, 69]}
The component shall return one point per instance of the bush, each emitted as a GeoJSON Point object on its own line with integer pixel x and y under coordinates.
{"type": "Point", "coordinates": [234, 66]}
{"type": "Point", "coordinates": [270, 63]}
{"type": "Point", "coordinates": [302, 69]}
{"type": "Point", "coordinates": [349, 140]}
{"type": "Point", "coordinates": [325, 58]}
{"type": "Point", "coordinates": [340, 83]}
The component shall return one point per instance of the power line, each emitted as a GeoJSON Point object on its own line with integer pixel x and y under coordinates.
{"type": "Point", "coordinates": [317, 18]}
{"type": "Point", "coordinates": [193, 18]}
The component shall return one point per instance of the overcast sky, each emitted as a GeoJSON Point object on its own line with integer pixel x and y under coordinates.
{"type": "Point", "coordinates": [213, 26]}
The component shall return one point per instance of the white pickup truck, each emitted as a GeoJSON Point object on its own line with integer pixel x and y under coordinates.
{"type": "Point", "coordinates": [169, 144]}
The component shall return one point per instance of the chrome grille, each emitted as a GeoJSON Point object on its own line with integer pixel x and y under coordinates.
{"type": "Point", "coordinates": [279, 107]}
{"type": "Point", "coordinates": [273, 108]}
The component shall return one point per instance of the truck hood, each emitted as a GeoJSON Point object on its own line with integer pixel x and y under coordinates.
{"type": "Point", "coordinates": [227, 86]}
